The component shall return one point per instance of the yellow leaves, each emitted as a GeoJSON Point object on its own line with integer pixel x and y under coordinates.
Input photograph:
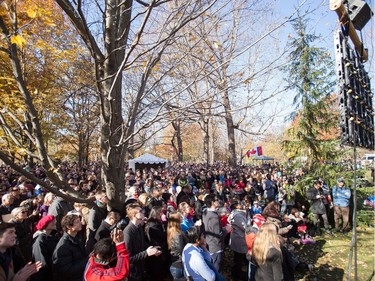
{"type": "Point", "coordinates": [53, 170]}
{"type": "Point", "coordinates": [18, 40]}
{"type": "Point", "coordinates": [31, 12]}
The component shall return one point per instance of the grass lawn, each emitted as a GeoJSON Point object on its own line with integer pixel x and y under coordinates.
{"type": "Point", "coordinates": [330, 256]}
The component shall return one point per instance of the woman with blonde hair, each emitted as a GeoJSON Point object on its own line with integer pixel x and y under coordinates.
{"type": "Point", "coordinates": [176, 243]}
{"type": "Point", "coordinates": [187, 219]}
{"type": "Point", "coordinates": [267, 254]}
{"type": "Point", "coordinates": [48, 199]}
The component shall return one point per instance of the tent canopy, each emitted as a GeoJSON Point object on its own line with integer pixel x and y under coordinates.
{"type": "Point", "coordinates": [147, 161]}
{"type": "Point", "coordinates": [263, 158]}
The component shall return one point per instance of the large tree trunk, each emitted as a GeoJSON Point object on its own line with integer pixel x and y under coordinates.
{"type": "Point", "coordinates": [230, 129]}
{"type": "Point", "coordinates": [179, 149]}
{"type": "Point", "coordinates": [206, 142]}
{"type": "Point", "coordinates": [109, 79]}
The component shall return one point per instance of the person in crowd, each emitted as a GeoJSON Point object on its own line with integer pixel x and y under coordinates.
{"type": "Point", "coordinates": [143, 201]}
{"type": "Point", "coordinates": [327, 201]}
{"type": "Point", "coordinates": [156, 197]}
{"type": "Point", "coordinates": [156, 236]}
{"type": "Point", "coordinates": [24, 230]}
{"type": "Point", "coordinates": [69, 257]}
{"type": "Point", "coordinates": [267, 255]}
{"type": "Point", "coordinates": [268, 188]}
{"type": "Point", "coordinates": [215, 233]}
{"type": "Point", "coordinates": [185, 191]}
{"type": "Point", "coordinates": [17, 197]}
{"type": "Point", "coordinates": [290, 195]}
{"type": "Point", "coordinates": [107, 225]}
{"type": "Point", "coordinates": [6, 207]}
{"type": "Point", "coordinates": [48, 199]}
{"type": "Point", "coordinates": [59, 208]}
{"type": "Point", "coordinates": [176, 243]}
{"type": "Point", "coordinates": [97, 214]}
{"type": "Point", "coordinates": [237, 242]}
{"type": "Point", "coordinates": [45, 241]}
{"type": "Point", "coordinates": [187, 219]}
{"type": "Point", "coordinates": [316, 196]}
{"type": "Point", "coordinates": [7, 268]}
{"type": "Point", "coordinates": [196, 258]}
{"type": "Point", "coordinates": [250, 234]}
{"type": "Point", "coordinates": [341, 201]}
{"type": "Point", "coordinates": [135, 243]}
{"type": "Point", "coordinates": [169, 199]}
{"type": "Point", "coordinates": [83, 211]}
{"type": "Point", "coordinates": [255, 209]}
{"type": "Point", "coordinates": [107, 251]}
{"type": "Point", "coordinates": [182, 181]}
{"type": "Point", "coordinates": [281, 195]}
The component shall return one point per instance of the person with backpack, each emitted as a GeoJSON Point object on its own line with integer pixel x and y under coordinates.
{"type": "Point", "coordinates": [215, 233]}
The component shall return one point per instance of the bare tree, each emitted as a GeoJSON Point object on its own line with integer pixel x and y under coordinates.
{"type": "Point", "coordinates": [125, 36]}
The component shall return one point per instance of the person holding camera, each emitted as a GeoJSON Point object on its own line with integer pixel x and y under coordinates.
{"type": "Point", "coordinates": [316, 196]}
{"type": "Point", "coordinates": [101, 264]}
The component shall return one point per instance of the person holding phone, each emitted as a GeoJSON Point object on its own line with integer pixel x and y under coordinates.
{"type": "Point", "coordinates": [109, 260]}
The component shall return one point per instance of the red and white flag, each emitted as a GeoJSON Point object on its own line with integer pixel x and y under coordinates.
{"type": "Point", "coordinates": [257, 151]}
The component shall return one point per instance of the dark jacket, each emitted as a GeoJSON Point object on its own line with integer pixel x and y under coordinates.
{"type": "Point", "coordinates": [69, 259]}
{"type": "Point", "coordinates": [59, 208]}
{"type": "Point", "coordinates": [156, 235]}
{"type": "Point", "coordinates": [317, 204]}
{"type": "Point", "coordinates": [43, 247]}
{"type": "Point", "coordinates": [96, 216]}
{"type": "Point", "coordinates": [272, 269]}
{"type": "Point", "coordinates": [177, 246]}
{"type": "Point", "coordinates": [104, 231]}
{"type": "Point", "coordinates": [215, 234]}
{"type": "Point", "coordinates": [24, 231]}
{"type": "Point", "coordinates": [135, 243]}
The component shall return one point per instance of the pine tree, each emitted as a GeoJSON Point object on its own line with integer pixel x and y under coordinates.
{"type": "Point", "coordinates": [310, 74]}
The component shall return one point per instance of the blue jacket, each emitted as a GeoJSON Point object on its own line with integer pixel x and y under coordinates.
{"type": "Point", "coordinates": [195, 263]}
{"type": "Point", "coordinates": [341, 196]}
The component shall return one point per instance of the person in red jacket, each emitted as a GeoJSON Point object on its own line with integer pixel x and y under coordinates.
{"type": "Point", "coordinates": [102, 264]}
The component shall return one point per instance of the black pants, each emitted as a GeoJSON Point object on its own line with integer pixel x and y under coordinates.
{"type": "Point", "coordinates": [239, 260]}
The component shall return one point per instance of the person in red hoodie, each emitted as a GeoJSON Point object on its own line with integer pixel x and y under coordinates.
{"type": "Point", "coordinates": [102, 266]}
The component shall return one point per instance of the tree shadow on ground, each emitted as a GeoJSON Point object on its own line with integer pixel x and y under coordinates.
{"type": "Point", "coordinates": [311, 254]}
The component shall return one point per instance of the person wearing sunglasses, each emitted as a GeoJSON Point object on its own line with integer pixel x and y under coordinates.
{"type": "Point", "coordinates": [24, 231]}
{"type": "Point", "coordinates": [109, 260]}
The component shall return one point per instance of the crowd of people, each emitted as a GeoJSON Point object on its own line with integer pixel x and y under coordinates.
{"type": "Point", "coordinates": [176, 223]}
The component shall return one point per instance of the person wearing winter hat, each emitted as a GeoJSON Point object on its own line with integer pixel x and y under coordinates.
{"type": "Point", "coordinates": [341, 204]}
{"type": "Point", "coordinates": [45, 241]}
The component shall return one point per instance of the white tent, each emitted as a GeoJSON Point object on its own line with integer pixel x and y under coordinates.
{"type": "Point", "coordinates": [147, 160]}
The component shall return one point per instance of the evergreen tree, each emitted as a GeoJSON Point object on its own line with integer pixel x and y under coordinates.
{"type": "Point", "coordinates": [310, 73]}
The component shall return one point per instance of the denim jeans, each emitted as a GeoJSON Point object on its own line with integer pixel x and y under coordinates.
{"type": "Point", "coordinates": [176, 272]}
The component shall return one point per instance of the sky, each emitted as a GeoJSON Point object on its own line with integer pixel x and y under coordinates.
{"type": "Point", "coordinates": [322, 22]}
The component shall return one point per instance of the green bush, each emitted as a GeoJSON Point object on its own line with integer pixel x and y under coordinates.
{"type": "Point", "coordinates": [365, 218]}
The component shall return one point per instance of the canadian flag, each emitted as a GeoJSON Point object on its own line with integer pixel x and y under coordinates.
{"type": "Point", "coordinates": [257, 151]}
